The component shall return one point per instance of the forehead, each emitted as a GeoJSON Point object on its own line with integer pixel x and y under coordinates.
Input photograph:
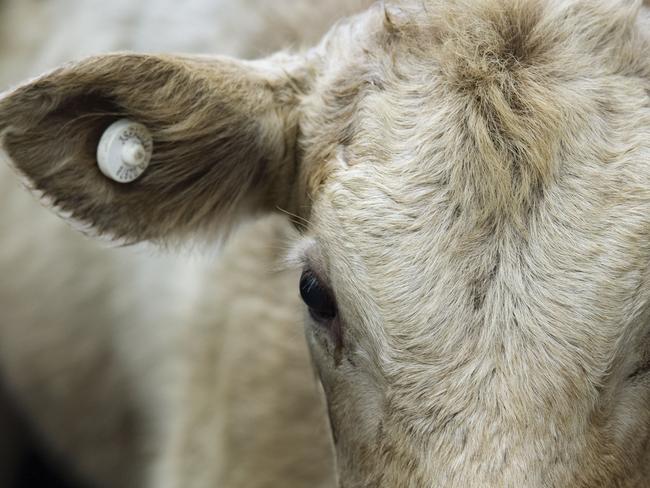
{"type": "Point", "coordinates": [490, 174]}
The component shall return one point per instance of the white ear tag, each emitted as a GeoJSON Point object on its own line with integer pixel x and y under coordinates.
{"type": "Point", "coordinates": [124, 151]}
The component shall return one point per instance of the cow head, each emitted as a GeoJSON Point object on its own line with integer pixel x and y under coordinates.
{"type": "Point", "coordinates": [472, 181]}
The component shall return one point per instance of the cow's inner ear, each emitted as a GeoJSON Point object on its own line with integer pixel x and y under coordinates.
{"type": "Point", "coordinates": [223, 134]}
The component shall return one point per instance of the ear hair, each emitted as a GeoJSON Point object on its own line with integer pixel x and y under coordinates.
{"type": "Point", "coordinates": [224, 134]}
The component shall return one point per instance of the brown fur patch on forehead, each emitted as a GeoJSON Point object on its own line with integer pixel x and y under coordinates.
{"type": "Point", "coordinates": [513, 75]}
{"type": "Point", "coordinates": [515, 78]}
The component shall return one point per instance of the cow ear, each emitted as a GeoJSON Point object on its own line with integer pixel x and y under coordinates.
{"type": "Point", "coordinates": [223, 135]}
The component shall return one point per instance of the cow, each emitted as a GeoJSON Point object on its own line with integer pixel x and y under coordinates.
{"type": "Point", "coordinates": [470, 186]}
{"type": "Point", "coordinates": [96, 343]}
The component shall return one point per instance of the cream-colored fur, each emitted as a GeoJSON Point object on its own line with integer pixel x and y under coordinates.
{"type": "Point", "coordinates": [470, 179]}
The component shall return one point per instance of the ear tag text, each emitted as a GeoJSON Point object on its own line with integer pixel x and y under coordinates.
{"type": "Point", "coordinates": [124, 151]}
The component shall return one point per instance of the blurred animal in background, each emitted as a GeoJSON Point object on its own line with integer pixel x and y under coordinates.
{"type": "Point", "coordinates": [98, 345]}
{"type": "Point", "coordinates": [470, 186]}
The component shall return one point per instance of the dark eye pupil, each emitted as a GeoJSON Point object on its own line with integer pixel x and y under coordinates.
{"type": "Point", "coordinates": [318, 298]}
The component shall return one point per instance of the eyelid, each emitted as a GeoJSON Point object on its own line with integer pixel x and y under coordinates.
{"type": "Point", "coordinates": [298, 255]}
{"type": "Point", "coordinates": [323, 282]}
{"type": "Point", "coordinates": [306, 255]}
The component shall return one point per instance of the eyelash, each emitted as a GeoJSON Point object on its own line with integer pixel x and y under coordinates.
{"type": "Point", "coordinates": [317, 297]}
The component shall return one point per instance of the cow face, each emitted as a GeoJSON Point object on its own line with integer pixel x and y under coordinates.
{"type": "Point", "coordinates": [473, 188]}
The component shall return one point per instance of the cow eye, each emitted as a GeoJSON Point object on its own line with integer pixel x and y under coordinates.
{"type": "Point", "coordinates": [317, 297]}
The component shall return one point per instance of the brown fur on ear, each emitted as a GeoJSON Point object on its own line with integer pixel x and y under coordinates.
{"type": "Point", "coordinates": [223, 135]}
